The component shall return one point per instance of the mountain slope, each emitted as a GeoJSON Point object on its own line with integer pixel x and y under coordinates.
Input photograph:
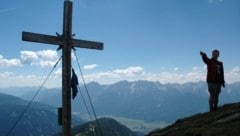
{"type": "Point", "coordinates": [223, 122]}
{"type": "Point", "coordinates": [38, 120]}
{"type": "Point", "coordinates": [108, 126]}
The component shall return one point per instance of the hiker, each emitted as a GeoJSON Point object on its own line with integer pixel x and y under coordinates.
{"type": "Point", "coordinates": [215, 77]}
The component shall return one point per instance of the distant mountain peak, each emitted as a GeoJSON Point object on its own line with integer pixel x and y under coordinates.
{"type": "Point", "coordinates": [108, 126]}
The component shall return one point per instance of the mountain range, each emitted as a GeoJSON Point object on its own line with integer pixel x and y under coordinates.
{"type": "Point", "coordinates": [139, 100]}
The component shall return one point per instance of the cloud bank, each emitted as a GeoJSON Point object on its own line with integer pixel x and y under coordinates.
{"type": "Point", "coordinates": [5, 63]}
{"type": "Point", "coordinates": [132, 73]}
{"type": "Point", "coordinates": [44, 58]}
{"type": "Point", "coordinates": [48, 58]}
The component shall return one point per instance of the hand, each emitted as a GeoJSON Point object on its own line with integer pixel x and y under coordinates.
{"type": "Point", "coordinates": [223, 85]}
{"type": "Point", "coordinates": [202, 53]}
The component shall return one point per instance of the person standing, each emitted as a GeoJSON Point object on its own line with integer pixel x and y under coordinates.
{"type": "Point", "coordinates": [215, 77]}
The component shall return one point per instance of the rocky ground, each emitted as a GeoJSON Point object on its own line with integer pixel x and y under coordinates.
{"type": "Point", "coordinates": [223, 122]}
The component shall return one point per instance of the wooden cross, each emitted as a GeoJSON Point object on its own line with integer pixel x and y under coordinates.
{"type": "Point", "coordinates": [66, 42]}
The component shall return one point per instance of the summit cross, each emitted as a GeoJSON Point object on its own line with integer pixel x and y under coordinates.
{"type": "Point", "coordinates": [66, 43]}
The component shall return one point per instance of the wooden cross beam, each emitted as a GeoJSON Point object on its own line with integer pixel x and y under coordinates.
{"type": "Point", "coordinates": [48, 39]}
{"type": "Point", "coordinates": [67, 43]}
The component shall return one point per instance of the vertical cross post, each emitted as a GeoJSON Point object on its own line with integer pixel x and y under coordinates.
{"type": "Point", "coordinates": [66, 68]}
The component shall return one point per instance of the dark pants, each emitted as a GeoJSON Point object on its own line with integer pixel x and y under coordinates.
{"type": "Point", "coordinates": [214, 90]}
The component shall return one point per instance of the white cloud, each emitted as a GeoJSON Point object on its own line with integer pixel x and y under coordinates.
{"type": "Point", "coordinates": [195, 75]}
{"type": "Point", "coordinates": [233, 75]}
{"type": "Point", "coordinates": [5, 74]}
{"type": "Point", "coordinates": [28, 57]}
{"type": "Point", "coordinates": [12, 79]}
{"type": "Point", "coordinates": [90, 67]}
{"type": "Point", "coordinates": [44, 58]}
{"type": "Point", "coordinates": [9, 79]}
{"type": "Point", "coordinates": [47, 58]}
{"type": "Point", "coordinates": [167, 77]}
{"type": "Point", "coordinates": [117, 74]}
{"type": "Point", "coordinates": [100, 76]}
{"type": "Point", "coordinates": [130, 71]}
{"type": "Point", "coordinates": [9, 62]}
{"type": "Point", "coordinates": [236, 69]}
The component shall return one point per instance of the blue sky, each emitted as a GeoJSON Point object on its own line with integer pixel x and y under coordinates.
{"type": "Point", "coordinates": [157, 40]}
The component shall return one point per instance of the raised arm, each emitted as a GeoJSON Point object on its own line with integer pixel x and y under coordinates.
{"type": "Point", "coordinates": [204, 57]}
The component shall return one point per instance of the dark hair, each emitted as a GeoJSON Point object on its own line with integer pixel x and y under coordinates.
{"type": "Point", "coordinates": [216, 51]}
